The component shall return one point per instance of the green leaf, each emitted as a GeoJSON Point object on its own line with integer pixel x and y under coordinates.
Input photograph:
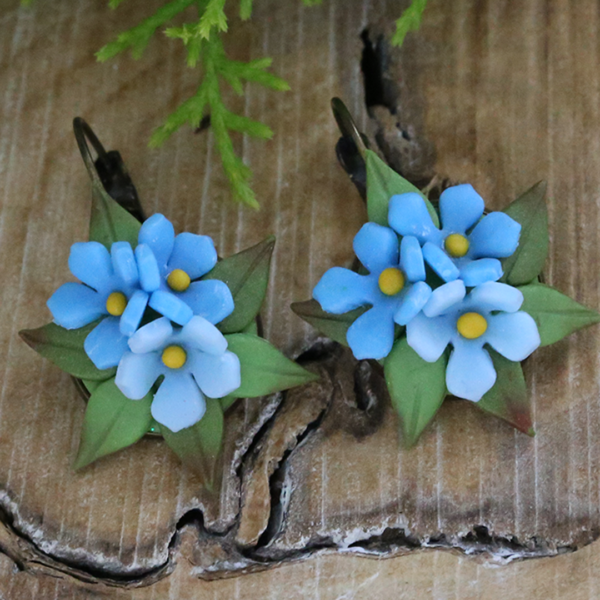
{"type": "Point", "coordinates": [111, 422]}
{"type": "Point", "coordinates": [556, 315]}
{"type": "Point", "coordinates": [109, 221]}
{"type": "Point", "coordinates": [333, 326]}
{"type": "Point", "coordinates": [508, 398]}
{"type": "Point", "coordinates": [264, 369]}
{"type": "Point", "coordinates": [417, 388]}
{"type": "Point", "coordinates": [247, 276]}
{"type": "Point", "coordinates": [64, 347]}
{"type": "Point", "coordinates": [199, 446]}
{"type": "Point", "coordinates": [410, 20]}
{"type": "Point", "coordinates": [528, 260]}
{"type": "Point", "coordinates": [227, 402]}
{"type": "Point", "coordinates": [383, 183]}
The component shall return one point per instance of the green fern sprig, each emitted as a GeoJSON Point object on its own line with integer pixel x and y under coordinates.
{"type": "Point", "coordinates": [410, 20]}
{"type": "Point", "coordinates": [204, 45]}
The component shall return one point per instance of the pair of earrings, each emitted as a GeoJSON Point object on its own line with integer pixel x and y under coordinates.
{"type": "Point", "coordinates": [162, 337]}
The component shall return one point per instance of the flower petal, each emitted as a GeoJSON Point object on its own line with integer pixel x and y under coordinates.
{"type": "Point", "coordinates": [408, 215]}
{"type": "Point", "coordinates": [444, 297]}
{"type": "Point", "coordinates": [429, 337]}
{"type": "Point", "coordinates": [90, 263]}
{"type": "Point", "coordinates": [460, 208]}
{"type": "Point", "coordinates": [202, 335]}
{"type": "Point", "coordinates": [341, 290]}
{"type": "Point", "coordinates": [105, 344]}
{"type": "Point", "coordinates": [147, 268]}
{"type": "Point", "coordinates": [496, 236]}
{"type": "Point", "coordinates": [178, 403]}
{"type": "Point", "coordinates": [372, 334]}
{"type": "Point", "coordinates": [158, 233]}
{"type": "Point", "coordinates": [217, 376]}
{"type": "Point", "coordinates": [514, 335]}
{"type": "Point", "coordinates": [440, 262]}
{"type": "Point", "coordinates": [411, 259]}
{"type": "Point", "coordinates": [194, 254]}
{"type": "Point", "coordinates": [169, 305]}
{"type": "Point", "coordinates": [376, 247]}
{"type": "Point", "coordinates": [210, 299]}
{"type": "Point", "coordinates": [480, 271]}
{"type": "Point", "coordinates": [496, 296]}
{"type": "Point", "coordinates": [74, 305]}
{"type": "Point", "coordinates": [124, 264]}
{"type": "Point", "coordinates": [413, 302]}
{"type": "Point", "coordinates": [151, 337]}
{"type": "Point", "coordinates": [134, 311]}
{"type": "Point", "coordinates": [137, 373]}
{"type": "Point", "coordinates": [470, 372]}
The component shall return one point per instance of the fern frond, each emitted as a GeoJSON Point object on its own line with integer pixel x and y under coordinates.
{"type": "Point", "coordinates": [137, 37]}
{"type": "Point", "coordinates": [245, 9]}
{"type": "Point", "coordinates": [213, 18]}
{"type": "Point", "coordinates": [409, 21]}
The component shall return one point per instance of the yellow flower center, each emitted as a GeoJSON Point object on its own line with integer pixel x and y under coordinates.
{"type": "Point", "coordinates": [471, 325]}
{"type": "Point", "coordinates": [178, 280]}
{"type": "Point", "coordinates": [391, 281]}
{"type": "Point", "coordinates": [174, 357]}
{"type": "Point", "coordinates": [116, 303]}
{"type": "Point", "coordinates": [456, 245]}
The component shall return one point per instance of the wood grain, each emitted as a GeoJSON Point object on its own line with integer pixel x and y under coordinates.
{"type": "Point", "coordinates": [500, 94]}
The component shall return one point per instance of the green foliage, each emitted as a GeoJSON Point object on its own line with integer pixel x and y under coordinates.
{"type": "Point", "coordinates": [333, 326]}
{"type": "Point", "coordinates": [111, 422]}
{"type": "Point", "coordinates": [382, 183]}
{"type": "Point", "coordinates": [109, 221]}
{"type": "Point", "coordinates": [204, 44]}
{"type": "Point", "coordinates": [555, 314]}
{"type": "Point", "coordinates": [64, 347]}
{"type": "Point", "coordinates": [264, 369]}
{"type": "Point", "coordinates": [417, 388]}
{"type": "Point", "coordinates": [247, 276]}
{"type": "Point", "coordinates": [508, 398]}
{"type": "Point", "coordinates": [409, 21]}
{"type": "Point", "coordinates": [199, 446]}
{"type": "Point", "coordinates": [527, 262]}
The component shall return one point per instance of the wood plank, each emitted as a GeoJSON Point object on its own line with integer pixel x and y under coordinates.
{"type": "Point", "coordinates": [500, 94]}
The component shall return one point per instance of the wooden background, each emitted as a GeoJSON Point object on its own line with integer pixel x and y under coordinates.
{"type": "Point", "coordinates": [499, 93]}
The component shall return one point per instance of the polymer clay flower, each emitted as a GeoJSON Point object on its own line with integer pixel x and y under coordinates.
{"type": "Point", "coordinates": [395, 288]}
{"type": "Point", "coordinates": [466, 246]}
{"type": "Point", "coordinates": [169, 266]}
{"type": "Point", "coordinates": [110, 290]}
{"type": "Point", "coordinates": [489, 314]}
{"type": "Point", "coordinates": [194, 361]}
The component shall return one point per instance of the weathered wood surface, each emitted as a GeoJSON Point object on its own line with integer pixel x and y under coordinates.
{"type": "Point", "coordinates": [500, 94]}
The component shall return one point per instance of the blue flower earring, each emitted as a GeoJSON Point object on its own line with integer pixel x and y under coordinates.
{"type": "Point", "coordinates": [447, 299]}
{"type": "Point", "coordinates": [159, 334]}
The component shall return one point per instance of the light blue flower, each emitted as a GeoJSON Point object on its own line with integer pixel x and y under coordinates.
{"type": "Point", "coordinates": [395, 288]}
{"type": "Point", "coordinates": [160, 253]}
{"type": "Point", "coordinates": [194, 361]}
{"type": "Point", "coordinates": [456, 250]}
{"type": "Point", "coordinates": [489, 314]}
{"type": "Point", "coordinates": [110, 290]}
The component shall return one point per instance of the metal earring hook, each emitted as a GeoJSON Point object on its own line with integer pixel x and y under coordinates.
{"type": "Point", "coordinates": [108, 169]}
{"type": "Point", "coordinates": [351, 147]}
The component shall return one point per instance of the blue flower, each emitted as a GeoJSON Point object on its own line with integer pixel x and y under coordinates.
{"type": "Point", "coordinates": [168, 267]}
{"type": "Point", "coordinates": [395, 288]}
{"type": "Point", "coordinates": [194, 361]}
{"type": "Point", "coordinates": [488, 315]}
{"type": "Point", "coordinates": [110, 290]}
{"type": "Point", "coordinates": [456, 250]}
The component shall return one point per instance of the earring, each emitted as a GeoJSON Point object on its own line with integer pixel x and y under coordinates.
{"type": "Point", "coordinates": [160, 336]}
